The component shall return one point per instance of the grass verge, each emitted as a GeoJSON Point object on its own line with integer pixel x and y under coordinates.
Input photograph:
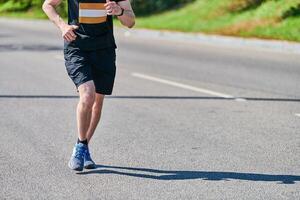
{"type": "Point", "coordinates": [268, 19]}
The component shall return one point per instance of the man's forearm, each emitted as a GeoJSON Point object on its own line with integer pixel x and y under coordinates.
{"type": "Point", "coordinates": [53, 15]}
{"type": "Point", "coordinates": [66, 30]}
{"type": "Point", "coordinates": [128, 18]}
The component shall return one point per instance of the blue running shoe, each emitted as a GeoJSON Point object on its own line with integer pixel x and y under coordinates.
{"type": "Point", "coordinates": [77, 158]}
{"type": "Point", "coordinates": [88, 162]}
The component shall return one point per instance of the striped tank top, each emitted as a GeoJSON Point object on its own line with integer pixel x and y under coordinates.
{"type": "Point", "coordinates": [95, 26]}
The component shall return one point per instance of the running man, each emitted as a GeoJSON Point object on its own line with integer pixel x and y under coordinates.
{"type": "Point", "coordinates": [89, 51]}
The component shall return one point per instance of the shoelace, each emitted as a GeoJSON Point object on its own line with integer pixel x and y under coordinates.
{"type": "Point", "coordinates": [79, 152]}
{"type": "Point", "coordinates": [87, 155]}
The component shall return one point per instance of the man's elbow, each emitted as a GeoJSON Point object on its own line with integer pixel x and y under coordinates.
{"type": "Point", "coordinates": [131, 25]}
{"type": "Point", "coordinates": [45, 6]}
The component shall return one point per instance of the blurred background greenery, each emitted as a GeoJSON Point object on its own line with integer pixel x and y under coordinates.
{"type": "Point", "coordinates": [270, 19]}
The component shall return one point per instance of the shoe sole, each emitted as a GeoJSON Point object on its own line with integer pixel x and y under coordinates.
{"type": "Point", "coordinates": [78, 169]}
{"type": "Point", "coordinates": [90, 167]}
{"type": "Point", "coordinates": [75, 169]}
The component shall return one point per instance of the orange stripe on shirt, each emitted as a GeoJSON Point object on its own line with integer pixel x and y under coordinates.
{"type": "Point", "coordinates": [94, 6]}
{"type": "Point", "coordinates": [92, 20]}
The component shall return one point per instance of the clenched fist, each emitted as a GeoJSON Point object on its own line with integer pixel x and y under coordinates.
{"type": "Point", "coordinates": [68, 32]}
{"type": "Point", "coordinates": [112, 8]}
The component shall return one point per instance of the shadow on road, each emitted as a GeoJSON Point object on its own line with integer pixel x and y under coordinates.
{"type": "Point", "coordinates": [187, 175]}
{"type": "Point", "coordinates": [150, 97]}
{"type": "Point", "coordinates": [21, 47]}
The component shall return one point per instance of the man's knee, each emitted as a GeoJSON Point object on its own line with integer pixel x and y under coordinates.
{"type": "Point", "coordinates": [87, 95]}
{"type": "Point", "coordinates": [87, 99]}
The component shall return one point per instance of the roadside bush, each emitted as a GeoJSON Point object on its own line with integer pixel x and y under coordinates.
{"type": "Point", "coordinates": [242, 5]}
{"type": "Point", "coordinates": [141, 7]}
{"type": "Point", "coordinates": [15, 5]}
{"type": "Point", "coordinates": [292, 12]}
{"type": "Point", "coordinates": [147, 7]}
{"type": "Point", "coordinates": [27, 5]}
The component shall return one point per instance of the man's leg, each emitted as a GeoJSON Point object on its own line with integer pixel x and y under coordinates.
{"type": "Point", "coordinates": [103, 73]}
{"type": "Point", "coordinates": [94, 120]}
{"type": "Point", "coordinates": [84, 112]}
{"type": "Point", "coordinates": [96, 115]}
{"type": "Point", "coordinates": [84, 108]}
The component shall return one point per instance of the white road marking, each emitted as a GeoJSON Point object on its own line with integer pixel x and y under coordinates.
{"type": "Point", "coordinates": [184, 86]}
{"type": "Point", "coordinates": [297, 114]}
{"type": "Point", "coordinates": [240, 99]}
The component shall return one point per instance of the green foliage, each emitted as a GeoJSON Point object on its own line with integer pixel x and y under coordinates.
{"type": "Point", "coordinates": [147, 7]}
{"type": "Point", "coordinates": [14, 6]}
{"type": "Point", "coordinates": [294, 11]}
{"type": "Point", "coordinates": [243, 5]}
{"type": "Point", "coordinates": [275, 19]}
{"type": "Point", "coordinates": [141, 7]}
{"type": "Point", "coordinates": [272, 19]}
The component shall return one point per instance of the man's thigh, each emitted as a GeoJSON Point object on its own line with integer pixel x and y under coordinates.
{"type": "Point", "coordinates": [78, 66]}
{"type": "Point", "coordinates": [103, 64]}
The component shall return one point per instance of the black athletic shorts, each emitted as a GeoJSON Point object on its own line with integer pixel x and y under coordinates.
{"type": "Point", "coordinates": [96, 65]}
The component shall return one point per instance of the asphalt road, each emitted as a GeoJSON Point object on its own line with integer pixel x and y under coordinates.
{"type": "Point", "coordinates": [186, 121]}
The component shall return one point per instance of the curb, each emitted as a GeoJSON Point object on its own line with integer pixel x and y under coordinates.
{"type": "Point", "coordinates": [200, 38]}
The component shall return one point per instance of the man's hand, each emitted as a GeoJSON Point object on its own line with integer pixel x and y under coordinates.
{"type": "Point", "coordinates": [112, 8]}
{"type": "Point", "coordinates": [68, 32]}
